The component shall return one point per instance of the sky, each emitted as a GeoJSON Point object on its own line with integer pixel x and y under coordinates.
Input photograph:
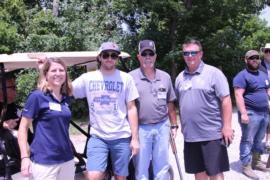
{"type": "Point", "coordinates": [265, 14]}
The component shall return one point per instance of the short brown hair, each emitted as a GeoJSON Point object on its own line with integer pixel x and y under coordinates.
{"type": "Point", "coordinates": [43, 86]}
{"type": "Point", "coordinates": [192, 41]}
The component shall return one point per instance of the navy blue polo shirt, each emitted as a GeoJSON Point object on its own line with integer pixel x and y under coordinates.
{"type": "Point", "coordinates": [255, 85]}
{"type": "Point", "coordinates": [51, 118]}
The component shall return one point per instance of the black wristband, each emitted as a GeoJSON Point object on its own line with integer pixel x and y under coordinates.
{"type": "Point", "coordinates": [174, 126]}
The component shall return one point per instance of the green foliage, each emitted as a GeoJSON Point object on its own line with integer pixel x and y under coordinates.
{"type": "Point", "coordinates": [26, 81]}
{"type": "Point", "coordinates": [226, 28]}
{"type": "Point", "coordinates": [8, 37]}
{"type": "Point", "coordinates": [12, 17]}
{"type": "Point", "coordinates": [47, 43]}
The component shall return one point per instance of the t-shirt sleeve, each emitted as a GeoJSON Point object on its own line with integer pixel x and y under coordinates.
{"type": "Point", "coordinates": [132, 92]}
{"type": "Point", "coordinates": [78, 86]}
{"type": "Point", "coordinates": [221, 84]}
{"type": "Point", "coordinates": [32, 107]}
{"type": "Point", "coordinates": [239, 81]}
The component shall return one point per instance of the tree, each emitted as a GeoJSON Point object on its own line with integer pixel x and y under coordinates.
{"type": "Point", "coordinates": [12, 17]}
{"type": "Point", "coordinates": [226, 28]}
{"type": "Point", "coordinates": [217, 24]}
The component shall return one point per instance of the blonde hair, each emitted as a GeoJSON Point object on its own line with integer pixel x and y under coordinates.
{"type": "Point", "coordinates": [42, 82]}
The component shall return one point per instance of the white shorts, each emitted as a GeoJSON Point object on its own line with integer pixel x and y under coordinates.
{"type": "Point", "coordinates": [65, 171]}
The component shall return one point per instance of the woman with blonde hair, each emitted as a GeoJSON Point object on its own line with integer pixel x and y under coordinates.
{"type": "Point", "coordinates": [47, 108]}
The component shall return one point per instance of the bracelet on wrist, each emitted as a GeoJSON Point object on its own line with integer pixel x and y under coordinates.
{"type": "Point", "coordinates": [25, 158]}
{"type": "Point", "coordinates": [174, 126]}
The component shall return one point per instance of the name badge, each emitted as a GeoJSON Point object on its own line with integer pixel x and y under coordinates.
{"type": "Point", "coordinates": [162, 93]}
{"type": "Point", "coordinates": [54, 106]}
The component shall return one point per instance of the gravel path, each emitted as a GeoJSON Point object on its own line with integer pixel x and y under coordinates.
{"type": "Point", "coordinates": [233, 150]}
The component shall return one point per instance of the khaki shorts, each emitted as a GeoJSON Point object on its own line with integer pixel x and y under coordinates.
{"type": "Point", "coordinates": [65, 171]}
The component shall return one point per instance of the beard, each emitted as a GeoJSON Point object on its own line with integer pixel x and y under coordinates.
{"type": "Point", "coordinates": [252, 67]}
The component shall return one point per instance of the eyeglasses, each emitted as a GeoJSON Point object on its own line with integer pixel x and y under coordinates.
{"type": "Point", "coordinates": [192, 53]}
{"type": "Point", "coordinates": [254, 58]}
{"type": "Point", "coordinates": [144, 54]}
{"type": "Point", "coordinates": [267, 51]}
{"type": "Point", "coordinates": [106, 55]}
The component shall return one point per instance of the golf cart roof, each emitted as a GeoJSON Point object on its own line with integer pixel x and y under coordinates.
{"type": "Point", "coordinates": [29, 60]}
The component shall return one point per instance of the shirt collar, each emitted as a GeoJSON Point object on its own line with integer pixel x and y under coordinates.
{"type": "Point", "coordinates": [48, 93]}
{"type": "Point", "coordinates": [143, 77]}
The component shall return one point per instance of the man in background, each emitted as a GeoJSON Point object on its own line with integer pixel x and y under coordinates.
{"type": "Point", "coordinates": [251, 88]}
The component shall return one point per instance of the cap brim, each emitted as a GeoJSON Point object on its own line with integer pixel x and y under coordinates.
{"type": "Point", "coordinates": [264, 48]}
{"type": "Point", "coordinates": [252, 55]}
{"type": "Point", "coordinates": [110, 50]}
{"type": "Point", "coordinates": [118, 52]}
{"type": "Point", "coordinates": [147, 48]}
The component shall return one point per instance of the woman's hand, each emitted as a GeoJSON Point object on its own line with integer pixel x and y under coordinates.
{"type": "Point", "coordinates": [26, 166]}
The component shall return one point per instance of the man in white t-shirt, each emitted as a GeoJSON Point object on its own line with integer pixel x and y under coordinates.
{"type": "Point", "coordinates": [111, 96]}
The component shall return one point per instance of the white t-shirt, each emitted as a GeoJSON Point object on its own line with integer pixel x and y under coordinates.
{"type": "Point", "coordinates": [107, 97]}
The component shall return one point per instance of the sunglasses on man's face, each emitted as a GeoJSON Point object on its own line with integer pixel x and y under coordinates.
{"type": "Point", "coordinates": [106, 55]}
{"type": "Point", "coordinates": [254, 58]}
{"type": "Point", "coordinates": [192, 53]}
{"type": "Point", "coordinates": [144, 54]}
{"type": "Point", "coordinates": [267, 51]}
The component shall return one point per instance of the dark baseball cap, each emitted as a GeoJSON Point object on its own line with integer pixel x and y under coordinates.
{"type": "Point", "coordinates": [147, 45]}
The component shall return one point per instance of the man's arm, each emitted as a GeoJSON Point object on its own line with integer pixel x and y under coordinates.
{"type": "Point", "coordinates": [239, 92]}
{"type": "Point", "coordinates": [172, 117]}
{"type": "Point", "coordinates": [133, 122]}
{"type": "Point", "coordinates": [227, 131]}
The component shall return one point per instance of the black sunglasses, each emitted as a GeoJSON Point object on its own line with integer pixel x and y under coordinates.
{"type": "Point", "coordinates": [106, 55]}
{"type": "Point", "coordinates": [254, 58]}
{"type": "Point", "coordinates": [267, 51]}
{"type": "Point", "coordinates": [192, 53]}
{"type": "Point", "coordinates": [144, 54]}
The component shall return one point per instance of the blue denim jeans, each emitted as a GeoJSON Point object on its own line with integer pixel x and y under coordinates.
{"type": "Point", "coordinates": [252, 135]}
{"type": "Point", "coordinates": [154, 145]}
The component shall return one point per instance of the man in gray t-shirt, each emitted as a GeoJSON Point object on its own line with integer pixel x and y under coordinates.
{"type": "Point", "coordinates": [155, 106]}
{"type": "Point", "coordinates": [111, 96]}
{"type": "Point", "coordinates": [205, 114]}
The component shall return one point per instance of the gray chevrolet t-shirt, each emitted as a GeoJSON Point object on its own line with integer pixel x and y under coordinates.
{"type": "Point", "coordinates": [153, 96]}
{"type": "Point", "coordinates": [107, 97]}
{"type": "Point", "coordinates": [199, 95]}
